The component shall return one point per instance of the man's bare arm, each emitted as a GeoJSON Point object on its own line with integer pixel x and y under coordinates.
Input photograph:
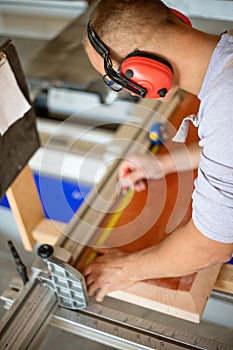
{"type": "Point", "coordinates": [138, 167]}
{"type": "Point", "coordinates": [186, 251]}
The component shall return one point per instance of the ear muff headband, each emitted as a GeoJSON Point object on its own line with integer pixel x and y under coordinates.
{"type": "Point", "coordinates": [96, 42]}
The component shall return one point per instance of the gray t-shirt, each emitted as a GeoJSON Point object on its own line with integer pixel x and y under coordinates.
{"type": "Point", "coordinates": [213, 193]}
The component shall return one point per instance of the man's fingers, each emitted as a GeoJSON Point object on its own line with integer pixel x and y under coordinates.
{"type": "Point", "coordinates": [140, 186]}
{"type": "Point", "coordinates": [124, 169]}
{"type": "Point", "coordinates": [105, 273]}
{"type": "Point", "coordinates": [92, 289]}
{"type": "Point", "coordinates": [86, 271]}
{"type": "Point", "coordinates": [134, 181]}
{"type": "Point", "coordinates": [89, 280]}
{"type": "Point", "coordinates": [100, 295]}
{"type": "Point", "coordinates": [98, 292]}
{"type": "Point", "coordinates": [125, 183]}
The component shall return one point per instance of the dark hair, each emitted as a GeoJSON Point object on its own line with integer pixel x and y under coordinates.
{"type": "Point", "coordinates": [123, 24]}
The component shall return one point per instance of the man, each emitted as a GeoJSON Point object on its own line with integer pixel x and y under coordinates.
{"type": "Point", "coordinates": [201, 64]}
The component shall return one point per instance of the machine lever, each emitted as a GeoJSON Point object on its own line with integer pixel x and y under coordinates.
{"type": "Point", "coordinates": [21, 268]}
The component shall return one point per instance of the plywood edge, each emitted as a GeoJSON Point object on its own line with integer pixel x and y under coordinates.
{"type": "Point", "coordinates": [188, 305]}
{"type": "Point", "coordinates": [224, 281]}
{"type": "Point", "coordinates": [202, 286]}
{"type": "Point", "coordinates": [25, 204]}
{"type": "Point", "coordinates": [168, 307]}
{"type": "Point", "coordinates": [48, 231]}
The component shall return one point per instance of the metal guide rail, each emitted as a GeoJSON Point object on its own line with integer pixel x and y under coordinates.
{"type": "Point", "coordinates": [124, 331]}
{"type": "Point", "coordinates": [56, 296]}
{"type": "Point", "coordinates": [26, 315]}
{"type": "Point", "coordinates": [120, 330]}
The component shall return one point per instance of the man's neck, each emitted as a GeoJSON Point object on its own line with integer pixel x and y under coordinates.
{"type": "Point", "coordinates": [196, 59]}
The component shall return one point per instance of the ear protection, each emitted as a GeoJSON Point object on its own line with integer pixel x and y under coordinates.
{"type": "Point", "coordinates": [150, 71]}
{"type": "Point", "coordinates": [142, 73]}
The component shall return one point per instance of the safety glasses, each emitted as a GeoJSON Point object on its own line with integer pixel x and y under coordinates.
{"type": "Point", "coordinates": [111, 83]}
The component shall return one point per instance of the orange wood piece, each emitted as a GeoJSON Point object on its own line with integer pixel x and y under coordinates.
{"type": "Point", "coordinates": [148, 219]}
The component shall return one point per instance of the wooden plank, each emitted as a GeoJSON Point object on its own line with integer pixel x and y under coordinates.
{"type": "Point", "coordinates": [48, 231]}
{"type": "Point", "coordinates": [26, 206]}
{"type": "Point", "coordinates": [185, 304]}
{"type": "Point", "coordinates": [144, 223]}
{"type": "Point", "coordinates": [28, 212]}
{"type": "Point", "coordinates": [224, 282]}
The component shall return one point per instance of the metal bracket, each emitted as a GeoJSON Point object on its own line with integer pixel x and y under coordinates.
{"type": "Point", "coordinates": [67, 282]}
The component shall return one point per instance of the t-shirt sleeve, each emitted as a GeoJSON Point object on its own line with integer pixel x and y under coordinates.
{"type": "Point", "coordinates": [213, 193]}
{"type": "Point", "coordinates": [213, 201]}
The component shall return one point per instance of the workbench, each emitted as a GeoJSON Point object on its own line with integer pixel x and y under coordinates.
{"type": "Point", "coordinates": [36, 321]}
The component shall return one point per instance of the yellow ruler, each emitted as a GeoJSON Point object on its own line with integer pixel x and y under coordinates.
{"type": "Point", "coordinates": [111, 224]}
{"type": "Point", "coordinates": [115, 217]}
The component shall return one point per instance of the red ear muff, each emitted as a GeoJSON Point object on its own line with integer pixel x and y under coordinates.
{"type": "Point", "coordinates": [149, 71]}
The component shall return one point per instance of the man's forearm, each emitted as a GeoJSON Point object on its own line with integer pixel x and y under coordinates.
{"type": "Point", "coordinates": [184, 252]}
{"type": "Point", "coordinates": [184, 159]}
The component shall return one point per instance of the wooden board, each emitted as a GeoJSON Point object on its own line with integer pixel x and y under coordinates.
{"type": "Point", "coordinates": [21, 140]}
{"type": "Point", "coordinates": [224, 282]}
{"type": "Point", "coordinates": [148, 219]}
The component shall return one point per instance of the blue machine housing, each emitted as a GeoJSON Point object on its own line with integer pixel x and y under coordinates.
{"type": "Point", "coordinates": [60, 198]}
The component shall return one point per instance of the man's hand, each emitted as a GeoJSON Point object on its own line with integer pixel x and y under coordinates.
{"type": "Point", "coordinates": [136, 168]}
{"type": "Point", "coordinates": [107, 272]}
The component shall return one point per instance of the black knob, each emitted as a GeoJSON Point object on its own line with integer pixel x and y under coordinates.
{"type": "Point", "coordinates": [162, 92]}
{"type": "Point", "coordinates": [45, 251]}
{"type": "Point", "coordinates": [128, 73]}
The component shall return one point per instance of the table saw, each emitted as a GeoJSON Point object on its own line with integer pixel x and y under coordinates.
{"type": "Point", "coordinates": [52, 309]}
